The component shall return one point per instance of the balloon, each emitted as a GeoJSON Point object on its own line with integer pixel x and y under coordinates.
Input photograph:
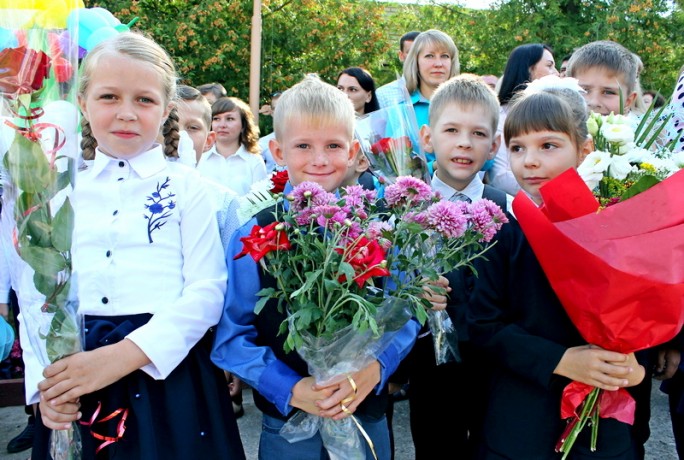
{"type": "Point", "coordinates": [8, 39]}
{"type": "Point", "coordinates": [52, 17]}
{"type": "Point", "coordinates": [100, 35]}
{"type": "Point", "coordinates": [107, 16]}
{"type": "Point", "coordinates": [83, 23]}
{"type": "Point", "coordinates": [62, 68]}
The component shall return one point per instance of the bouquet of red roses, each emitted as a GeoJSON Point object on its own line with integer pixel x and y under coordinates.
{"type": "Point", "coordinates": [626, 261]}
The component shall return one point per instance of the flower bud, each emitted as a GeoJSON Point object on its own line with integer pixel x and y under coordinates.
{"type": "Point", "coordinates": [592, 126]}
{"type": "Point", "coordinates": [280, 226]}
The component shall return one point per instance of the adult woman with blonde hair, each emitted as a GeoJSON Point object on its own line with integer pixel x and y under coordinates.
{"type": "Point", "coordinates": [432, 60]}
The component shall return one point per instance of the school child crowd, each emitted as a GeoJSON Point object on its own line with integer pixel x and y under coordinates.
{"type": "Point", "coordinates": [170, 313]}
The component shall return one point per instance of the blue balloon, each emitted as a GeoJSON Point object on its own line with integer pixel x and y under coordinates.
{"type": "Point", "coordinates": [100, 35]}
{"type": "Point", "coordinates": [7, 39]}
{"type": "Point", "coordinates": [107, 16]}
{"type": "Point", "coordinates": [83, 22]}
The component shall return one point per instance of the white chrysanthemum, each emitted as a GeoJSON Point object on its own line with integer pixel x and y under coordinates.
{"type": "Point", "coordinates": [592, 168]}
{"type": "Point", "coordinates": [617, 133]}
{"type": "Point", "coordinates": [620, 167]}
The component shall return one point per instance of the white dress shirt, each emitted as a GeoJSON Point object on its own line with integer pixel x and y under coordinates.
{"type": "Point", "coordinates": [237, 172]}
{"type": "Point", "coordinates": [146, 240]}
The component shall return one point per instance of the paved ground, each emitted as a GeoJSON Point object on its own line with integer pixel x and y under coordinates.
{"type": "Point", "coordinates": [659, 447]}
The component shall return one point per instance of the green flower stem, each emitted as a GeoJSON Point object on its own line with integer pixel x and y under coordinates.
{"type": "Point", "coordinates": [590, 410]}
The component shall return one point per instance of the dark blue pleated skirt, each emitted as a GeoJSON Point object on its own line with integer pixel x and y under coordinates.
{"type": "Point", "coordinates": [187, 415]}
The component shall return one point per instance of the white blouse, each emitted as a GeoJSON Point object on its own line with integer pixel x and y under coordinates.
{"type": "Point", "coordinates": [146, 240]}
{"type": "Point", "coordinates": [237, 172]}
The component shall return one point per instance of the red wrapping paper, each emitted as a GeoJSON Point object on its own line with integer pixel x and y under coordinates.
{"type": "Point", "coordinates": [619, 273]}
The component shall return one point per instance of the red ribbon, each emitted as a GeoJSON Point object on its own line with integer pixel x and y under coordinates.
{"type": "Point", "coordinates": [120, 427]}
{"type": "Point", "coordinates": [612, 404]}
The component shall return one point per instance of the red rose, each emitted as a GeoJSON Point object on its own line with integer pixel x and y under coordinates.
{"type": "Point", "coordinates": [389, 145]}
{"type": "Point", "coordinates": [382, 146]}
{"type": "Point", "coordinates": [279, 180]}
{"type": "Point", "coordinates": [22, 70]}
{"type": "Point", "coordinates": [261, 241]}
{"type": "Point", "coordinates": [366, 257]}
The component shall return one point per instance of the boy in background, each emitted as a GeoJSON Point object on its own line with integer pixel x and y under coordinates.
{"type": "Point", "coordinates": [608, 72]}
{"type": "Point", "coordinates": [194, 117]}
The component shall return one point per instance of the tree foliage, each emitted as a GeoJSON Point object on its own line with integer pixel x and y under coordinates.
{"type": "Point", "coordinates": [210, 39]}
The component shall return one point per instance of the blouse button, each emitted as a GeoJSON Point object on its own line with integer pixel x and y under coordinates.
{"type": "Point", "coordinates": [105, 300]}
{"type": "Point", "coordinates": [109, 253]}
{"type": "Point", "coordinates": [137, 396]}
{"type": "Point", "coordinates": [121, 164]}
{"type": "Point", "coordinates": [115, 212]}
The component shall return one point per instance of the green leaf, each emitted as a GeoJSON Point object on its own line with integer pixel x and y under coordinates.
{"type": "Point", "coordinates": [62, 227]}
{"type": "Point", "coordinates": [46, 261]}
{"type": "Point", "coordinates": [28, 166]}
{"type": "Point", "coordinates": [643, 184]}
{"type": "Point", "coordinates": [36, 229]}
{"type": "Point", "coordinates": [260, 304]}
{"type": "Point", "coordinates": [311, 278]}
{"type": "Point", "coordinates": [64, 338]}
{"type": "Point", "coordinates": [46, 284]}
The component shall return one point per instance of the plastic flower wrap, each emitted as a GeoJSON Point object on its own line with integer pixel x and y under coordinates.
{"type": "Point", "coordinates": [621, 278]}
{"type": "Point", "coordinates": [627, 161]}
{"type": "Point", "coordinates": [389, 139]}
{"type": "Point", "coordinates": [349, 273]}
{"type": "Point", "coordinates": [40, 120]}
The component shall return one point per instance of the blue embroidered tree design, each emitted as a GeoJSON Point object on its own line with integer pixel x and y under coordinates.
{"type": "Point", "coordinates": [159, 209]}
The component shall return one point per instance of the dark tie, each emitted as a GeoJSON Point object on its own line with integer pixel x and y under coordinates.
{"type": "Point", "coordinates": [458, 196]}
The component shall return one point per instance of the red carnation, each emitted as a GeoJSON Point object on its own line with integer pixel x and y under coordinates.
{"type": "Point", "coordinates": [22, 70]}
{"type": "Point", "coordinates": [263, 240]}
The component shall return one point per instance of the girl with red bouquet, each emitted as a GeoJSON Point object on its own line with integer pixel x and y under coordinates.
{"type": "Point", "coordinates": [517, 320]}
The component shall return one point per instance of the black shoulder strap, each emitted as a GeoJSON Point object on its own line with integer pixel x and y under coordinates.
{"type": "Point", "coordinates": [266, 216]}
{"type": "Point", "coordinates": [496, 195]}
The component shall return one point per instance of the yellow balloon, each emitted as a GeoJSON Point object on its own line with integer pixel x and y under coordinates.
{"type": "Point", "coordinates": [53, 17]}
{"type": "Point", "coordinates": [46, 14]}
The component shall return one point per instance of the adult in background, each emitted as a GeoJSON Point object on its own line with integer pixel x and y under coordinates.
{"type": "Point", "coordinates": [389, 93]}
{"type": "Point", "coordinates": [234, 161]}
{"type": "Point", "coordinates": [525, 63]}
{"type": "Point", "coordinates": [212, 91]}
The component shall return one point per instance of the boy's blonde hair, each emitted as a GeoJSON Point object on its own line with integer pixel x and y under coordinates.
{"type": "Point", "coordinates": [430, 37]}
{"type": "Point", "coordinates": [141, 48]}
{"type": "Point", "coordinates": [561, 110]}
{"type": "Point", "coordinates": [317, 101]}
{"type": "Point", "coordinates": [608, 55]}
{"type": "Point", "coordinates": [465, 90]}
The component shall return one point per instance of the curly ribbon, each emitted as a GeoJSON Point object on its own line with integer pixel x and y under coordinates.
{"type": "Point", "coordinates": [120, 427]}
{"type": "Point", "coordinates": [343, 405]}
